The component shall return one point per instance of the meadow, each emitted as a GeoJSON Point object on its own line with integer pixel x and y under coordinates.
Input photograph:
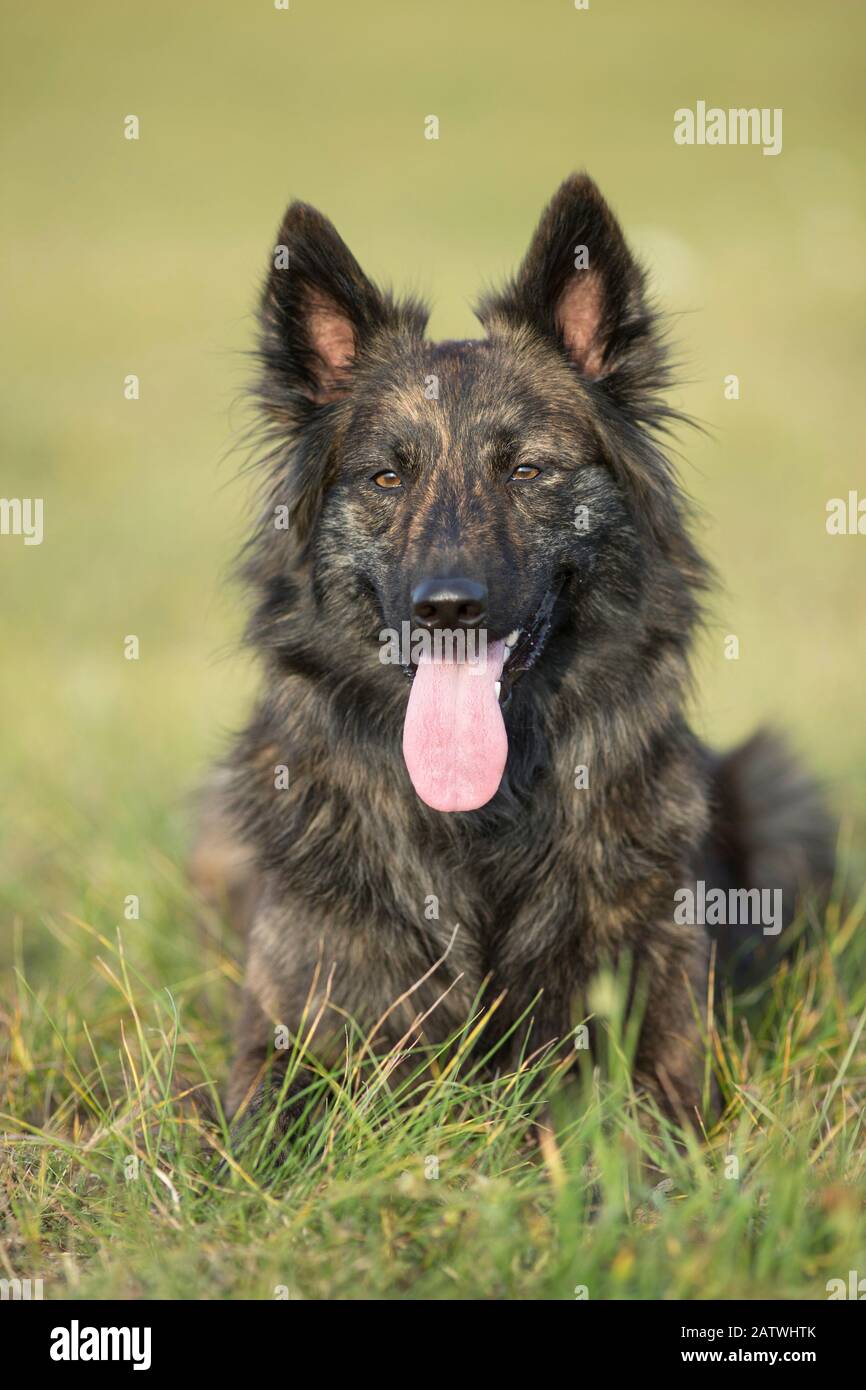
{"type": "Point", "coordinates": [144, 257]}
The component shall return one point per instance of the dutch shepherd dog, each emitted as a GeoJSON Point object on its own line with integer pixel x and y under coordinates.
{"type": "Point", "coordinates": [543, 795]}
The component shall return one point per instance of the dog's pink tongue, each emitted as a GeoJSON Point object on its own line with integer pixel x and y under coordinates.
{"type": "Point", "coordinates": [454, 738]}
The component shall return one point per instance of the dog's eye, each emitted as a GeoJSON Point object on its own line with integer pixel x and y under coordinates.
{"type": "Point", "coordinates": [387, 478]}
{"type": "Point", "coordinates": [524, 473]}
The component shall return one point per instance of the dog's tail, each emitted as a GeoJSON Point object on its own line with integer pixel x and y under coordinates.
{"type": "Point", "coordinates": [771, 832]}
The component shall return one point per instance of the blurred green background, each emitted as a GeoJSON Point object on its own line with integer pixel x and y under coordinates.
{"type": "Point", "coordinates": [145, 257]}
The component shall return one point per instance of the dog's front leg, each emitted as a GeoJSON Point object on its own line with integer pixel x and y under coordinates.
{"type": "Point", "coordinates": [259, 1085]}
{"type": "Point", "coordinates": [670, 1054]}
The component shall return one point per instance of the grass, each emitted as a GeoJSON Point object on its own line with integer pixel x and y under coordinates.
{"type": "Point", "coordinates": [540, 1184]}
{"type": "Point", "coordinates": [144, 257]}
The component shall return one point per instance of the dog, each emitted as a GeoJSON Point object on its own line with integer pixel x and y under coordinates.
{"type": "Point", "coordinates": [404, 825]}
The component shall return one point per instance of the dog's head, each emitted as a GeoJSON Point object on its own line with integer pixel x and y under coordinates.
{"type": "Point", "coordinates": [498, 505]}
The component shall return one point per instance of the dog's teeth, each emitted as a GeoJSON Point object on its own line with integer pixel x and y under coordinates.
{"type": "Point", "coordinates": [498, 688]}
{"type": "Point", "coordinates": [511, 639]}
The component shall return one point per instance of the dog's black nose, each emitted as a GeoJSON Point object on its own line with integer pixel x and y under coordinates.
{"type": "Point", "coordinates": [449, 603]}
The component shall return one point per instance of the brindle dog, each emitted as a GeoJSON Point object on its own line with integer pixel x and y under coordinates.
{"type": "Point", "coordinates": [548, 796]}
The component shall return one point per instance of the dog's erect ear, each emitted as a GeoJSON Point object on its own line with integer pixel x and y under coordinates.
{"type": "Point", "coordinates": [318, 310]}
{"type": "Point", "coordinates": [578, 283]}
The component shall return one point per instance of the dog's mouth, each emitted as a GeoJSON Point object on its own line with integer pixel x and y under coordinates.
{"type": "Point", "coordinates": [528, 643]}
{"type": "Point", "coordinates": [454, 738]}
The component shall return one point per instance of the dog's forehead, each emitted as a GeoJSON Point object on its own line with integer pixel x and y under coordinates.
{"type": "Point", "coordinates": [467, 402]}
{"type": "Point", "coordinates": [470, 362]}
{"type": "Point", "coordinates": [462, 387]}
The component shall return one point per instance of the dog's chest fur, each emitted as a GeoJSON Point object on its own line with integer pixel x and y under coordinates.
{"type": "Point", "coordinates": [370, 897]}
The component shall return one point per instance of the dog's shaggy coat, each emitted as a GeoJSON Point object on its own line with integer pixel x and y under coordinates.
{"type": "Point", "coordinates": [535, 464]}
